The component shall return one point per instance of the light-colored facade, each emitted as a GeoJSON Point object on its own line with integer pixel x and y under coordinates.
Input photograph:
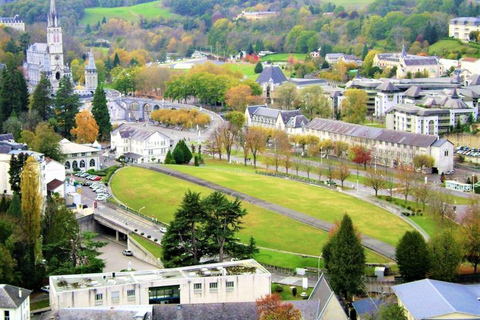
{"type": "Point", "coordinates": [472, 65]}
{"type": "Point", "coordinates": [406, 63]}
{"type": "Point", "coordinates": [388, 95]}
{"type": "Point", "coordinates": [14, 23]}
{"type": "Point", "coordinates": [14, 303]}
{"type": "Point", "coordinates": [389, 148]}
{"type": "Point", "coordinates": [259, 15]}
{"type": "Point", "coordinates": [80, 156]}
{"type": "Point", "coordinates": [234, 281]}
{"type": "Point", "coordinates": [55, 176]}
{"type": "Point", "coordinates": [262, 116]}
{"type": "Point", "coordinates": [47, 58]}
{"type": "Point", "coordinates": [139, 145]}
{"type": "Point", "coordinates": [91, 76]}
{"type": "Point", "coordinates": [460, 28]}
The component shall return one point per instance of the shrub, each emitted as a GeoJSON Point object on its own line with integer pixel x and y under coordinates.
{"type": "Point", "coordinates": [278, 288]}
{"type": "Point", "coordinates": [149, 236]}
{"type": "Point", "coordinates": [172, 161]}
{"type": "Point", "coordinates": [155, 239]}
{"type": "Point", "coordinates": [413, 214]}
{"type": "Point", "coordinates": [196, 161]}
{"type": "Point", "coordinates": [389, 199]}
{"type": "Point", "coordinates": [136, 230]}
{"type": "Point", "coordinates": [142, 233]}
{"type": "Point", "coordinates": [168, 157]}
{"type": "Point", "coordinates": [178, 155]}
{"type": "Point", "coordinates": [409, 208]}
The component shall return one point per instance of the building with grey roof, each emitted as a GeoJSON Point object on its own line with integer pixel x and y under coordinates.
{"type": "Point", "coordinates": [409, 64]}
{"type": "Point", "coordinates": [140, 144]}
{"type": "Point", "coordinates": [271, 78]}
{"type": "Point", "coordinates": [460, 28]}
{"type": "Point", "coordinates": [226, 282]}
{"type": "Point", "coordinates": [434, 114]}
{"type": "Point", "coordinates": [387, 96]}
{"type": "Point", "coordinates": [263, 116]}
{"type": "Point", "coordinates": [390, 148]}
{"type": "Point", "coordinates": [14, 302]}
{"type": "Point", "coordinates": [433, 299]}
{"type": "Point", "coordinates": [13, 22]}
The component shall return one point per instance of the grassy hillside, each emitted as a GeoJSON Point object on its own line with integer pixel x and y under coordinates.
{"type": "Point", "coordinates": [132, 13]}
{"type": "Point", "coordinates": [451, 47]}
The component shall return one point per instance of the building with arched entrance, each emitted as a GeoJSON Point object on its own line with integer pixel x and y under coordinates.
{"type": "Point", "coordinates": [79, 156]}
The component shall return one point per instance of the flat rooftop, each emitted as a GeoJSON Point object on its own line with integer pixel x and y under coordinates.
{"type": "Point", "coordinates": [76, 282]}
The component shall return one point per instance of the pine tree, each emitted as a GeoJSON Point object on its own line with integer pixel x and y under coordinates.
{"type": "Point", "coordinates": [16, 165]}
{"type": "Point", "coordinates": [178, 154]}
{"type": "Point", "coordinates": [66, 103]}
{"type": "Point", "coordinates": [14, 94]}
{"type": "Point", "coordinates": [88, 29]}
{"type": "Point", "coordinates": [258, 67]}
{"type": "Point", "coordinates": [116, 60]}
{"type": "Point", "coordinates": [412, 256]}
{"type": "Point", "coordinates": [41, 99]}
{"type": "Point", "coordinates": [101, 114]}
{"type": "Point", "coordinates": [15, 209]}
{"type": "Point", "coordinates": [345, 260]}
{"type": "Point", "coordinates": [168, 158]}
{"type": "Point", "coordinates": [250, 50]}
{"type": "Point", "coordinates": [364, 51]}
{"type": "Point", "coordinates": [104, 20]}
{"type": "Point", "coordinates": [187, 154]}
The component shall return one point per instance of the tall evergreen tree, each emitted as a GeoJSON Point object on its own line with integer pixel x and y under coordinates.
{"type": "Point", "coordinates": [41, 98]}
{"type": "Point", "coordinates": [412, 256]}
{"type": "Point", "coordinates": [13, 93]}
{"type": "Point", "coordinates": [258, 67]}
{"type": "Point", "coordinates": [15, 171]}
{"type": "Point", "coordinates": [445, 255]}
{"type": "Point", "coordinates": [345, 260]}
{"type": "Point", "coordinates": [116, 60]}
{"type": "Point", "coordinates": [66, 103]}
{"type": "Point", "coordinates": [364, 51]}
{"type": "Point", "coordinates": [100, 113]}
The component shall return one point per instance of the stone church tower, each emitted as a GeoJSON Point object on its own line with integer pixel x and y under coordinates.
{"type": "Point", "coordinates": [91, 76]}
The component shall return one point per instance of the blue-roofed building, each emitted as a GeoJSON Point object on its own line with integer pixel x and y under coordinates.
{"type": "Point", "coordinates": [432, 299]}
{"type": "Point", "coordinates": [271, 78]}
{"type": "Point", "coordinates": [367, 307]}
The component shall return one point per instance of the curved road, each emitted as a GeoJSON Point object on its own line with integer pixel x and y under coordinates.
{"type": "Point", "coordinates": [370, 243]}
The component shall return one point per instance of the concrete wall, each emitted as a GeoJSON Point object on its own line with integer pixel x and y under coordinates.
{"type": "Point", "coordinates": [87, 223]}
{"type": "Point", "coordinates": [141, 253]}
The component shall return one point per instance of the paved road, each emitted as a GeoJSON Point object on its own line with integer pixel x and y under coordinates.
{"type": "Point", "coordinates": [370, 243]}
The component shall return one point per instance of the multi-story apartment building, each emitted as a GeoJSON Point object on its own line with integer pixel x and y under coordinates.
{"type": "Point", "coordinates": [460, 28]}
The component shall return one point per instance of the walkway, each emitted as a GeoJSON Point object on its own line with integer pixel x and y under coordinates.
{"type": "Point", "coordinates": [370, 243]}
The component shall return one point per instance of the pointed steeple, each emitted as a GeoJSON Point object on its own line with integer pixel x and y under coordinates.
{"type": "Point", "coordinates": [52, 15]}
{"type": "Point", "coordinates": [455, 94]}
{"type": "Point", "coordinates": [91, 62]}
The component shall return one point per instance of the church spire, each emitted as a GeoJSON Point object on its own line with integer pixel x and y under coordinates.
{"type": "Point", "coordinates": [52, 15]}
{"type": "Point", "coordinates": [91, 61]}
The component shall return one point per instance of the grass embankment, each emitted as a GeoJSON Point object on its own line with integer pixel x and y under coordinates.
{"type": "Point", "coordinates": [147, 10]}
{"type": "Point", "coordinates": [246, 68]}
{"type": "Point", "coordinates": [40, 304]}
{"type": "Point", "coordinates": [283, 57]}
{"type": "Point", "coordinates": [445, 47]}
{"type": "Point", "coordinates": [150, 246]}
{"type": "Point", "coordinates": [317, 202]}
{"type": "Point", "coordinates": [286, 292]}
{"type": "Point", "coordinates": [161, 195]}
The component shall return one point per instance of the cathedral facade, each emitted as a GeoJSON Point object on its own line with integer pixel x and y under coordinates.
{"type": "Point", "coordinates": [47, 58]}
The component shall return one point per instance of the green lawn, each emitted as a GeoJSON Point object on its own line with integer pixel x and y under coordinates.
{"type": "Point", "coordinates": [245, 68]}
{"type": "Point", "coordinates": [40, 304]}
{"type": "Point", "coordinates": [286, 293]}
{"type": "Point", "coordinates": [150, 246]}
{"type": "Point", "coordinates": [148, 10]}
{"type": "Point", "coordinates": [283, 57]}
{"type": "Point", "coordinates": [317, 202]}
{"type": "Point", "coordinates": [161, 194]}
{"type": "Point", "coordinates": [447, 46]}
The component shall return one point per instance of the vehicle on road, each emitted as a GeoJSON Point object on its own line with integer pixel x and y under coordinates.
{"type": "Point", "coordinates": [45, 289]}
{"type": "Point", "coordinates": [127, 252]}
{"type": "Point", "coordinates": [449, 172]}
{"type": "Point", "coordinates": [162, 229]}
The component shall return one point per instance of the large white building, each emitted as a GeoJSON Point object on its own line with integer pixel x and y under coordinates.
{"type": "Point", "coordinates": [407, 63]}
{"type": "Point", "coordinates": [14, 303]}
{"type": "Point", "coordinates": [80, 156]}
{"type": "Point", "coordinates": [14, 23]}
{"type": "Point", "coordinates": [292, 121]}
{"type": "Point", "coordinates": [140, 144]}
{"type": "Point", "coordinates": [460, 28]}
{"type": "Point", "coordinates": [389, 148]}
{"type": "Point", "coordinates": [234, 281]}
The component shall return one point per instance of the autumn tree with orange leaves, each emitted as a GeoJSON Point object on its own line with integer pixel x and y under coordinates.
{"type": "Point", "coordinates": [86, 130]}
{"type": "Point", "coordinates": [271, 307]}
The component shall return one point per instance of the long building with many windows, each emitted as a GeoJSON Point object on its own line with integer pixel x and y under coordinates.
{"type": "Point", "coordinates": [390, 148]}
{"type": "Point", "coordinates": [234, 281]}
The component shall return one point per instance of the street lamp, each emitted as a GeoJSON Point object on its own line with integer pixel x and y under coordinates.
{"type": "Point", "coordinates": [321, 154]}
{"type": "Point", "coordinates": [375, 162]}
{"type": "Point", "coordinates": [318, 269]}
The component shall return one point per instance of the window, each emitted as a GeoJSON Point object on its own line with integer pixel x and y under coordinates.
{"type": "Point", "coordinates": [131, 295]}
{"type": "Point", "coordinates": [98, 299]}
{"type": "Point", "coordinates": [197, 287]}
{"type": "Point", "coordinates": [67, 165]}
{"type": "Point", "coordinates": [82, 163]}
{"type": "Point", "coordinates": [92, 163]}
{"type": "Point", "coordinates": [6, 315]}
{"type": "Point", "coordinates": [213, 287]}
{"type": "Point", "coordinates": [75, 164]}
{"type": "Point", "coordinates": [230, 285]}
{"type": "Point", "coordinates": [83, 154]}
{"type": "Point", "coordinates": [115, 296]}
{"type": "Point", "coordinates": [446, 153]}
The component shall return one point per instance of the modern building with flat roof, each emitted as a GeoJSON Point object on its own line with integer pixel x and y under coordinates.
{"type": "Point", "coordinates": [233, 281]}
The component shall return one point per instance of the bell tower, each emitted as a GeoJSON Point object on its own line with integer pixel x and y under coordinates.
{"type": "Point", "coordinates": [55, 44]}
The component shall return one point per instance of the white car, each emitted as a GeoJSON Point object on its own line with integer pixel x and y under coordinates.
{"type": "Point", "coordinates": [101, 198]}
{"type": "Point", "coordinates": [45, 289]}
{"type": "Point", "coordinates": [162, 229]}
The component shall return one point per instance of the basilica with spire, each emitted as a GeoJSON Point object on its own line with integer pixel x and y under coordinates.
{"type": "Point", "coordinates": [47, 58]}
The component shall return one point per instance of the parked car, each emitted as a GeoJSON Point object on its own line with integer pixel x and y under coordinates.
{"type": "Point", "coordinates": [45, 289]}
{"type": "Point", "coordinates": [162, 229]}
{"type": "Point", "coordinates": [127, 252]}
{"type": "Point", "coordinates": [450, 172]}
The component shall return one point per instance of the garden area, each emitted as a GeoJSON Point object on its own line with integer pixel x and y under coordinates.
{"type": "Point", "coordinates": [161, 195]}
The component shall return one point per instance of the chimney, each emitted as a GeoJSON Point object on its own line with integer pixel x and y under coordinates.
{"type": "Point", "coordinates": [19, 292]}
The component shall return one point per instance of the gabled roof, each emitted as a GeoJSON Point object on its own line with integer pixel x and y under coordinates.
{"type": "Point", "coordinates": [54, 184]}
{"type": "Point", "coordinates": [431, 298]}
{"type": "Point", "coordinates": [365, 132]}
{"type": "Point", "coordinates": [127, 132]}
{"type": "Point", "coordinates": [7, 137]}
{"type": "Point", "coordinates": [413, 92]}
{"type": "Point", "coordinates": [288, 114]}
{"type": "Point", "coordinates": [297, 122]}
{"type": "Point", "coordinates": [474, 80]}
{"type": "Point", "coordinates": [271, 74]}
{"type": "Point", "coordinates": [12, 297]}
{"type": "Point", "coordinates": [387, 86]}
{"type": "Point", "coordinates": [439, 142]}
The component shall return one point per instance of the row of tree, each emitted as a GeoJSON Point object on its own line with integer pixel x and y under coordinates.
{"type": "Point", "coordinates": [190, 118]}
{"type": "Point", "coordinates": [205, 228]}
